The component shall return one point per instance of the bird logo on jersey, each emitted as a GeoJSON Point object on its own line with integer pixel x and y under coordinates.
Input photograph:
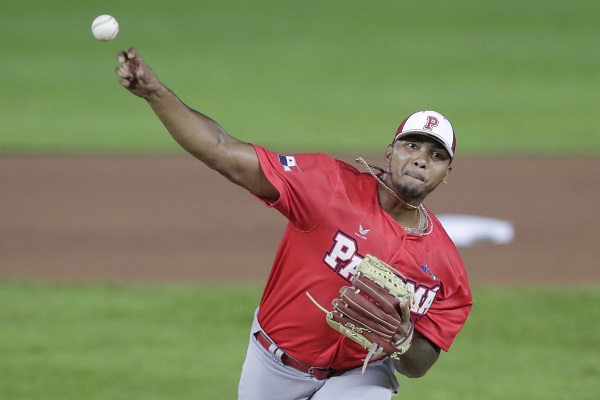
{"type": "Point", "coordinates": [362, 232]}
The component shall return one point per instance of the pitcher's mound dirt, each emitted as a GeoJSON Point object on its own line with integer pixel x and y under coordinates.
{"type": "Point", "coordinates": [171, 219]}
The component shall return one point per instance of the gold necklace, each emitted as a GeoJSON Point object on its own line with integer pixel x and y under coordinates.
{"type": "Point", "coordinates": [423, 223]}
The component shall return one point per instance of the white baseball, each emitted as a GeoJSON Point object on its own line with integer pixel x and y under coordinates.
{"type": "Point", "coordinates": [105, 28]}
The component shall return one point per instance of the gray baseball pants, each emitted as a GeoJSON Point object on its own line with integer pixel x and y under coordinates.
{"type": "Point", "coordinates": [264, 377]}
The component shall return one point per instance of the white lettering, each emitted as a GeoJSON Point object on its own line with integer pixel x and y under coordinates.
{"type": "Point", "coordinates": [424, 298]}
{"type": "Point", "coordinates": [341, 252]}
{"type": "Point", "coordinates": [343, 257]}
{"type": "Point", "coordinates": [350, 269]}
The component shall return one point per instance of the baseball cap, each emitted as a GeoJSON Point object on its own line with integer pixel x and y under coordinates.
{"type": "Point", "coordinates": [432, 124]}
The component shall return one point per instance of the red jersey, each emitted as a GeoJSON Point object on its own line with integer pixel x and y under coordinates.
{"type": "Point", "coordinates": [335, 219]}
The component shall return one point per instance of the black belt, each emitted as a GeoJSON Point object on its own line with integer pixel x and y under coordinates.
{"type": "Point", "coordinates": [286, 359]}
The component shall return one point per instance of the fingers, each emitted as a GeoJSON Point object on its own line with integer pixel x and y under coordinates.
{"type": "Point", "coordinates": [130, 69]}
{"type": "Point", "coordinates": [378, 294]}
{"type": "Point", "coordinates": [135, 60]}
{"type": "Point", "coordinates": [406, 326]}
{"type": "Point", "coordinates": [360, 322]}
{"type": "Point", "coordinates": [357, 301]}
{"type": "Point", "coordinates": [124, 71]}
{"type": "Point", "coordinates": [132, 53]}
{"type": "Point", "coordinates": [122, 56]}
{"type": "Point", "coordinates": [405, 311]}
{"type": "Point", "coordinates": [360, 319]}
{"type": "Point", "coordinates": [125, 82]}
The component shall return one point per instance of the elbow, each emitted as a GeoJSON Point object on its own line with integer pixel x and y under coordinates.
{"type": "Point", "coordinates": [418, 361]}
{"type": "Point", "coordinates": [414, 369]}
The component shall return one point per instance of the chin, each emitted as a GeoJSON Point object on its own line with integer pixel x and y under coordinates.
{"type": "Point", "coordinates": [409, 193]}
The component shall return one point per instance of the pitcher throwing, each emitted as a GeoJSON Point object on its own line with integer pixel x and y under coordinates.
{"type": "Point", "coordinates": [337, 217]}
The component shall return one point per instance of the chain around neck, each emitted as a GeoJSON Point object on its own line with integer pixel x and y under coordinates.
{"type": "Point", "coordinates": [420, 209]}
{"type": "Point", "coordinates": [369, 168]}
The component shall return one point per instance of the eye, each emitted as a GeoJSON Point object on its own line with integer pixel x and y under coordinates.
{"type": "Point", "coordinates": [440, 155]}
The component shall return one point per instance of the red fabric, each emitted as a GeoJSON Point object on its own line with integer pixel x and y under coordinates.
{"type": "Point", "coordinates": [335, 220]}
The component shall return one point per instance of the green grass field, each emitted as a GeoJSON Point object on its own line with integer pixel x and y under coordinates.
{"type": "Point", "coordinates": [103, 341]}
{"type": "Point", "coordinates": [514, 77]}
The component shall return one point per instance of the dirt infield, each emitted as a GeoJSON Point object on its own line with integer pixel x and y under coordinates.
{"type": "Point", "coordinates": [157, 219]}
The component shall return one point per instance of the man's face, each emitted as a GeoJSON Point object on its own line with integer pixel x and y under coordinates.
{"type": "Point", "coordinates": [417, 164]}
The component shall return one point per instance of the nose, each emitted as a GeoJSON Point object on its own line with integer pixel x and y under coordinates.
{"type": "Point", "coordinates": [420, 158]}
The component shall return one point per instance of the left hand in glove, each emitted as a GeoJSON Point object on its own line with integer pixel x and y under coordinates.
{"type": "Point", "coordinates": [375, 311]}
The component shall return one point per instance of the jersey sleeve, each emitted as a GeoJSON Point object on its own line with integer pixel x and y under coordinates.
{"type": "Point", "coordinates": [306, 184]}
{"type": "Point", "coordinates": [447, 317]}
{"type": "Point", "coordinates": [451, 298]}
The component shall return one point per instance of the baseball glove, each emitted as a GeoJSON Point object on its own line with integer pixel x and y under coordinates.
{"type": "Point", "coordinates": [369, 311]}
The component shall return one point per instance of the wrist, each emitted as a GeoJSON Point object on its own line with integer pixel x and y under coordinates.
{"type": "Point", "coordinates": [155, 95]}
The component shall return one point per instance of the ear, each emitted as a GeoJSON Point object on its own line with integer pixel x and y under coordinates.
{"type": "Point", "coordinates": [388, 156]}
{"type": "Point", "coordinates": [445, 180]}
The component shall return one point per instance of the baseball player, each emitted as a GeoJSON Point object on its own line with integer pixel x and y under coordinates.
{"type": "Point", "coordinates": [337, 216]}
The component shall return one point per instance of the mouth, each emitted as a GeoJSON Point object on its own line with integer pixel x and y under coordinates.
{"type": "Point", "coordinates": [415, 175]}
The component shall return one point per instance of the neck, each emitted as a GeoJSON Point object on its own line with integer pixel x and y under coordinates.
{"type": "Point", "coordinates": [414, 219]}
{"type": "Point", "coordinates": [402, 211]}
{"type": "Point", "coordinates": [386, 187]}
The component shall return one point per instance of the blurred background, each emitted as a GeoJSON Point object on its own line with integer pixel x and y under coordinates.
{"type": "Point", "coordinates": [516, 77]}
{"type": "Point", "coordinates": [114, 278]}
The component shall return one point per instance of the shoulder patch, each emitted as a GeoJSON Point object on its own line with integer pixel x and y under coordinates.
{"type": "Point", "coordinates": [288, 162]}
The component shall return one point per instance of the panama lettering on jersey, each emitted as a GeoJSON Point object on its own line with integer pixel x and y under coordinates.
{"type": "Point", "coordinates": [344, 258]}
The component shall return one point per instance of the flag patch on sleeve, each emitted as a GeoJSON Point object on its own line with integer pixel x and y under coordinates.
{"type": "Point", "coordinates": [288, 163]}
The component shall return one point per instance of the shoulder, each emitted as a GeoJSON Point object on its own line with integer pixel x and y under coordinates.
{"type": "Point", "coordinates": [439, 234]}
{"type": "Point", "coordinates": [299, 161]}
{"type": "Point", "coordinates": [442, 237]}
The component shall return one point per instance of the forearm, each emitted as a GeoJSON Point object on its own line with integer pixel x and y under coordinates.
{"type": "Point", "coordinates": [207, 141]}
{"type": "Point", "coordinates": [196, 133]}
{"type": "Point", "coordinates": [418, 359]}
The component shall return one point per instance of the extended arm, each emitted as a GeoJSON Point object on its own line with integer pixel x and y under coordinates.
{"type": "Point", "coordinates": [196, 133]}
